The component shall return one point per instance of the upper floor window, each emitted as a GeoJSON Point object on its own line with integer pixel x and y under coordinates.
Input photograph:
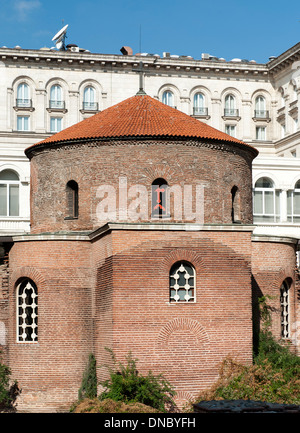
{"type": "Point", "coordinates": [89, 99]}
{"type": "Point", "coordinates": [55, 124]}
{"type": "Point", "coordinates": [235, 205]}
{"type": "Point", "coordinates": [56, 97]}
{"type": "Point", "coordinates": [23, 96]}
{"type": "Point", "coordinates": [72, 199]}
{"type": "Point", "coordinates": [260, 133]}
{"type": "Point", "coordinates": [230, 130]}
{"type": "Point", "coordinates": [9, 193]}
{"type": "Point", "coordinates": [160, 203]}
{"type": "Point", "coordinates": [260, 108]}
{"type": "Point", "coordinates": [266, 201]}
{"type": "Point", "coordinates": [168, 98]}
{"type": "Point", "coordinates": [27, 311]}
{"type": "Point", "coordinates": [284, 309]}
{"type": "Point", "coordinates": [293, 204]}
{"type": "Point", "coordinates": [199, 107]}
{"type": "Point", "coordinates": [230, 106]}
{"type": "Point", "coordinates": [23, 123]}
{"type": "Point", "coordinates": [182, 282]}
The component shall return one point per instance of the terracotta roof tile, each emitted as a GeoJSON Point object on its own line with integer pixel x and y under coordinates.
{"type": "Point", "coordinates": [139, 116]}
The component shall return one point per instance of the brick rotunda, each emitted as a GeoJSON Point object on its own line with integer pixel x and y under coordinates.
{"type": "Point", "coordinates": [141, 240]}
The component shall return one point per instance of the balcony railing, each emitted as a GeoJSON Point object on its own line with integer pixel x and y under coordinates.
{"type": "Point", "coordinates": [261, 114]}
{"type": "Point", "coordinates": [90, 106]}
{"type": "Point", "coordinates": [24, 103]}
{"type": "Point", "coordinates": [200, 111]}
{"type": "Point", "coordinates": [57, 105]}
{"type": "Point", "coordinates": [231, 112]}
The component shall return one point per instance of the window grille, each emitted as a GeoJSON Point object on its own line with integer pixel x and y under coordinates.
{"type": "Point", "coordinates": [284, 309]}
{"type": "Point", "coordinates": [27, 312]}
{"type": "Point", "coordinates": [182, 282]}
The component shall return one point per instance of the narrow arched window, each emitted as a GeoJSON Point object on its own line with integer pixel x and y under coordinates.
{"type": "Point", "coordinates": [284, 309]}
{"type": "Point", "coordinates": [89, 99]}
{"type": "Point", "coordinates": [56, 97]}
{"type": "Point", "coordinates": [199, 107]}
{"type": "Point", "coordinates": [160, 202]}
{"type": "Point", "coordinates": [260, 107]}
{"type": "Point", "coordinates": [27, 307]}
{"type": "Point", "coordinates": [72, 199]}
{"type": "Point", "coordinates": [168, 98]}
{"type": "Point", "coordinates": [230, 106]}
{"type": "Point", "coordinates": [182, 282]}
{"type": "Point", "coordinates": [23, 98]}
{"type": "Point", "coordinates": [9, 193]}
{"type": "Point", "coordinates": [235, 205]}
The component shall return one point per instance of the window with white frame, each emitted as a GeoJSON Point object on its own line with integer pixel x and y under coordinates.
{"type": "Point", "coordinates": [199, 108]}
{"type": "Point", "coordinates": [56, 97]}
{"type": "Point", "coordinates": [182, 282]}
{"type": "Point", "coordinates": [55, 124]}
{"type": "Point", "coordinates": [89, 99]}
{"type": "Point", "coordinates": [266, 203]}
{"type": "Point", "coordinates": [27, 312]}
{"type": "Point", "coordinates": [230, 106]}
{"type": "Point", "coordinates": [23, 123]}
{"type": "Point", "coordinates": [260, 107]}
{"type": "Point", "coordinates": [284, 309]}
{"type": "Point", "coordinates": [293, 204]}
{"type": "Point", "coordinates": [230, 130]}
{"type": "Point", "coordinates": [168, 98]}
{"type": "Point", "coordinates": [9, 193]}
{"type": "Point", "coordinates": [260, 133]}
{"type": "Point", "coordinates": [23, 97]}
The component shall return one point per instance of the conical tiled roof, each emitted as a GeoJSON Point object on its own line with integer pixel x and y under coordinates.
{"type": "Point", "coordinates": [138, 116]}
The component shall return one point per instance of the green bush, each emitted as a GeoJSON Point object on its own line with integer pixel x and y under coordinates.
{"type": "Point", "coordinates": [127, 385]}
{"type": "Point", "coordinates": [8, 392]}
{"type": "Point", "coordinates": [88, 387]}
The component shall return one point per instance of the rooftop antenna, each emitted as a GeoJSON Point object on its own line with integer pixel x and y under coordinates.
{"type": "Point", "coordinates": [141, 71]}
{"type": "Point", "coordinates": [60, 37]}
{"type": "Point", "coordinates": [140, 38]}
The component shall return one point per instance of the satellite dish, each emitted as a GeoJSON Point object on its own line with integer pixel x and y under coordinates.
{"type": "Point", "coordinates": [60, 38]}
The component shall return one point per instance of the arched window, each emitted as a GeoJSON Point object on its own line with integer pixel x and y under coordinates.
{"type": "Point", "coordinates": [56, 97]}
{"type": "Point", "coordinates": [27, 307]}
{"type": "Point", "coordinates": [9, 193]}
{"type": "Point", "coordinates": [230, 106]}
{"type": "Point", "coordinates": [160, 204]}
{"type": "Point", "coordinates": [293, 204]}
{"type": "Point", "coordinates": [284, 309]}
{"type": "Point", "coordinates": [168, 98]}
{"type": "Point", "coordinates": [199, 107]}
{"type": "Point", "coordinates": [182, 282]}
{"type": "Point", "coordinates": [235, 205]}
{"type": "Point", "coordinates": [23, 97]}
{"type": "Point", "coordinates": [260, 107]}
{"type": "Point", "coordinates": [72, 199]}
{"type": "Point", "coordinates": [89, 99]}
{"type": "Point", "coordinates": [266, 201]}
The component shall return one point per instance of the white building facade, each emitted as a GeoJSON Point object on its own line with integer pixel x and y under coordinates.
{"type": "Point", "coordinates": [44, 91]}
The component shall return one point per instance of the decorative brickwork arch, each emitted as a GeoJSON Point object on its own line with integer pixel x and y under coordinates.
{"type": "Point", "coordinates": [182, 323]}
{"type": "Point", "coordinates": [30, 273]}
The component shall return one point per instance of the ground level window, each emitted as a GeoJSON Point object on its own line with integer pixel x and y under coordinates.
{"type": "Point", "coordinates": [284, 309]}
{"type": "Point", "coordinates": [182, 282]}
{"type": "Point", "coordinates": [27, 311]}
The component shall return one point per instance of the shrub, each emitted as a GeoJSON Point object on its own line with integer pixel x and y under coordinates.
{"type": "Point", "coordinates": [127, 385]}
{"type": "Point", "coordinates": [88, 387]}
{"type": "Point", "coordinates": [8, 393]}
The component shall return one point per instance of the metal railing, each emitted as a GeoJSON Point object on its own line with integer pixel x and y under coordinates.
{"type": "Point", "coordinates": [231, 112]}
{"type": "Point", "coordinates": [200, 111]}
{"type": "Point", "coordinates": [24, 103]}
{"type": "Point", "coordinates": [58, 105]}
{"type": "Point", "coordinates": [261, 114]}
{"type": "Point", "coordinates": [90, 106]}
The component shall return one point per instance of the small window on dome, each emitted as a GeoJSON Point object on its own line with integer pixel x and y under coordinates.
{"type": "Point", "coordinates": [160, 199]}
{"type": "Point", "coordinates": [72, 199]}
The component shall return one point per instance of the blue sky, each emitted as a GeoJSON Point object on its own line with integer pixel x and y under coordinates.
{"type": "Point", "coordinates": [230, 29]}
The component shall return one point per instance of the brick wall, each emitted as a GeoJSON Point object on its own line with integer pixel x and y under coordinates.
{"type": "Point", "coordinates": [218, 167]}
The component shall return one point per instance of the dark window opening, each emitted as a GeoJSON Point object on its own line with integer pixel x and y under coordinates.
{"type": "Point", "coordinates": [72, 199]}
{"type": "Point", "coordinates": [160, 199]}
{"type": "Point", "coordinates": [235, 205]}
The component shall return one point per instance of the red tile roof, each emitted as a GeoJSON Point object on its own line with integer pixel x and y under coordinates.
{"type": "Point", "coordinates": [139, 116]}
